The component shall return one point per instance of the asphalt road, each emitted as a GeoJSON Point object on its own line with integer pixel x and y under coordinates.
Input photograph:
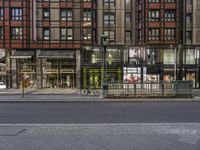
{"type": "Point", "coordinates": [155, 112]}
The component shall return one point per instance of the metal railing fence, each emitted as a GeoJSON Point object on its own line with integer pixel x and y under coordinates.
{"type": "Point", "coordinates": [182, 89]}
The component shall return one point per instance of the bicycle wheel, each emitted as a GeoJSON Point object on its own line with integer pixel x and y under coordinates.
{"type": "Point", "coordinates": [96, 91]}
{"type": "Point", "coordinates": [84, 92]}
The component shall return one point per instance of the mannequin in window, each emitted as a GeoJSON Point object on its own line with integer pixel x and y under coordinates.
{"type": "Point", "coordinates": [109, 59]}
{"type": "Point", "coordinates": [93, 58]}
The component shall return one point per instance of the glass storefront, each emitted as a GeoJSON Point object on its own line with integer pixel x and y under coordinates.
{"type": "Point", "coordinates": [58, 73]}
{"type": "Point", "coordinates": [27, 71]}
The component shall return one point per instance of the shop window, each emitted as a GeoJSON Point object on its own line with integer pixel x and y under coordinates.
{"type": "Point", "coordinates": [169, 56]}
{"type": "Point", "coordinates": [189, 57]}
{"type": "Point", "coordinates": [113, 56]}
{"type": "Point", "coordinates": [151, 56]}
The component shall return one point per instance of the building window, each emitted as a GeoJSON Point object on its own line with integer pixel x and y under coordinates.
{"type": "Point", "coordinates": [16, 14]}
{"type": "Point", "coordinates": [109, 3]}
{"type": "Point", "coordinates": [1, 13]}
{"type": "Point", "coordinates": [87, 15]}
{"type": "Point", "coordinates": [170, 1]}
{"type": "Point", "coordinates": [1, 33]}
{"type": "Point", "coordinates": [128, 2]}
{"type": "Point", "coordinates": [111, 36]}
{"type": "Point", "coordinates": [66, 34]}
{"type": "Point", "coordinates": [151, 56]}
{"type": "Point", "coordinates": [170, 34]}
{"type": "Point", "coordinates": [154, 34]}
{"type": "Point", "coordinates": [154, 1]}
{"type": "Point", "coordinates": [188, 2]}
{"type": "Point", "coordinates": [109, 19]}
{"type": "Point", "coordinates": [169, 56]}
{"type": "Point", "coordinates": [16, 33]}
{"type": "Point", "coordinates": [46, 34]}
{"type": "Point", "coordinates": [128, 18]}
{"type": "Point", "coordinates": [66, 14]}
{"type": "Point", "coordinates": [170, 15]}
{"type": "Point", "coordinates": [46, 14]}
{"type": "Point", "coordinates": [189, 56]}
{"type": "Point", "coordinates": [154, 15]}
{"type": "Point", "coordinates": [128, 36]}
{"type": "Point", "coordinates": [188, 37]}
{"type": "Point", "coordinates": [87, 34]}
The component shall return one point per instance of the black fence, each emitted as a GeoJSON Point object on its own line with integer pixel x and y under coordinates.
{"type": "Point", "coordinates": [180, 89]}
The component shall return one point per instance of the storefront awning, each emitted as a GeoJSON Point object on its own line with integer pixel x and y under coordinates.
{"type": "Point", "coordinates": [56, 54]}
{"type": "Point", "coordinates": [23, 54]}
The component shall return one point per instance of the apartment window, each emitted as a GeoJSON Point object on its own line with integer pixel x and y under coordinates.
{"type": "Point", "coordinates": [87, 15]}
{"type": "Point", "coordinates": [170, 34]}
{"type": "Point", "coordinates": [111, 35]}
{"type": "Point", "coordinates": [188, 37]}
{"type": "Point", "coordinates": [1, 13]}
{"type": "Point", "coordinates": [1, 33]}
{"type": "Point", "coordinates": [128, 18]}
{"type": "Point", "coordinates": [109, 19]}
{"type": "Point", "coordinates": [109, 3]}
{"type": "Point", "coordinates": [189, 18]}
{"type": "Point", "coordinates": [154, 1]}
{"type": "Point", "coordinates": [128, 2]}
{"type": "Point", "coordinates": [66, 34]}
{"type": "Point", "coordinates": [46, 34]}
{"type": "Point", "coordinates": [170, 15]}
{"type": "Point", "coordinates": [16, 33]}
{"type": "Point", "coordinates": [154, 34]}
{"type": "Point", "coordinates": [87, 34]}
{"type": "Point", "coordinates": [46, 14]}
{"type": "Point", "coordinates": [128, 36]}
{"type": "Point", "coordinates": [170, 1]}
{"type": "Point", "coordinates": [66, 14]}
{"type": "Point", "coordinates": [16, 14]}
{"type": "Point", "coordinates": [188, 2]}
{"type": "Point", "coordinates": [154, 15]}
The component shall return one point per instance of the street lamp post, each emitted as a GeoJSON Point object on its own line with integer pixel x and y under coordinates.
{"type": "Point", "coordinates": [103, 61]}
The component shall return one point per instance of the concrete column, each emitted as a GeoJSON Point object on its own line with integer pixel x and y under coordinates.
{"type": "Point", "coordinates": [13, 70]}
{"type": "Point", "coordinates": [78, 68]}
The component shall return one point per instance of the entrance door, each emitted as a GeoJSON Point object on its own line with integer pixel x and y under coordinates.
{"type": "Point", "coordinates": [52, 80]}
{"type": "Point", "coordinates": [191, 76]}
{"type": "Point", "coordinates": [95, 80]}
{"type": "Point", "coordinates": [67, 80]}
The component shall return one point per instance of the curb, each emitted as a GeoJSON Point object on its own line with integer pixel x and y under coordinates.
{"type": "Point", "coordinates": [103, 101]}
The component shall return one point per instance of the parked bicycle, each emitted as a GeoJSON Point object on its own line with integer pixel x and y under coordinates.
{"type": "Point", "coordinates": [87, 90]}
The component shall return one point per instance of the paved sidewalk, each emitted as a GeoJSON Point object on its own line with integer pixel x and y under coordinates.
{"type": "Point", "coordinates": [100, 137]}
{"type": "Point", "coordinates": [72, 95]}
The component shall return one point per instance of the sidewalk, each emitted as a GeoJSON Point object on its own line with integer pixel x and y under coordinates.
{"type": "Point", "coordinates": [152, 136]}
{"type": "Point", "coordinates": [73, 95]}
{"type": "Point", "coordinates": [38, 91]}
